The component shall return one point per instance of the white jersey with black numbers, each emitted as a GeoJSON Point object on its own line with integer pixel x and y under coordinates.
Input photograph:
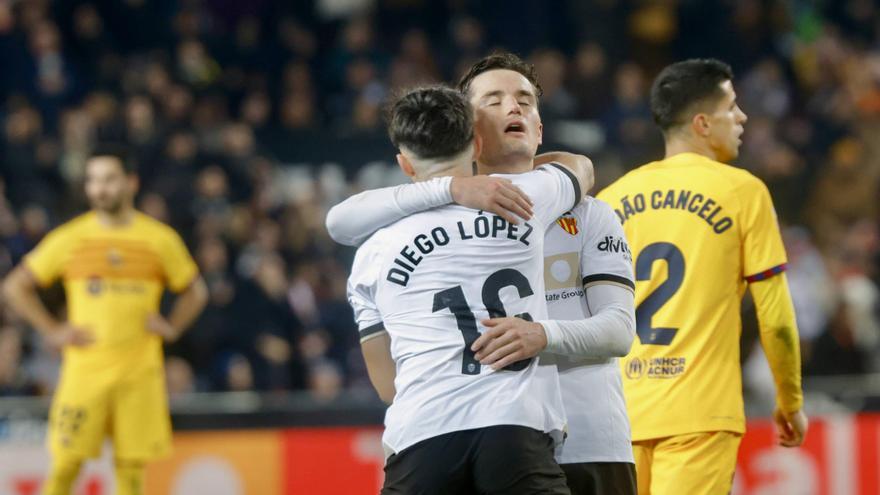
{"type": "Point", "coordinates": [428, 280]}
{"type": "Point", "coordinates": [587, 246]}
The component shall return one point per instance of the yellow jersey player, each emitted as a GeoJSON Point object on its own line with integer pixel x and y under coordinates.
{"type": "Point", "coordinates": [701, 232]}
{"type": "Point", "coordinates": [114, 263]}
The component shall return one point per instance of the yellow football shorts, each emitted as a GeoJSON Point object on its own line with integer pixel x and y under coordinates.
{"type": "Point", "coordinates": [132, 410]}
{"type": "Point", "coordinates": [695, 463]}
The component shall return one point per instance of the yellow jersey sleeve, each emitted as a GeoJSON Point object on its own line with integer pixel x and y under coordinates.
{"type": "Point", "coordinates": [46, 261]}
{"type": "Point", "coordinates": [763, 253]}
{"type": "Point", "coordinates": [779, 338]}
{"type": "Point", "coordinates": [179, 267]}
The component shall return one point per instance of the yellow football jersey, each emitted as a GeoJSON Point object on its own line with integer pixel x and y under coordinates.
{"type": "Point", "coordinates": [113, 278]}
{"type": "Point", "coordinates": [699, 231]}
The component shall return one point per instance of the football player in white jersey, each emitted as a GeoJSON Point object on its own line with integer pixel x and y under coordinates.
{"type": "Point", "coordinates": [425, 281]}
{"type": "Point", "coordinates": [589, 284]}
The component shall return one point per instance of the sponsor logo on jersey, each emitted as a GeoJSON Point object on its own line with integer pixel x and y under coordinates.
{"type": "Point", "coordinates": [568, 223]}
{"type": "Point", "coordinates": [564, 294]}
{"type": "Point", "coordinates": [615, 244]}
{"type": "Point", "coordinates": [635, 368]}
{"type": "Point", "coordinates": [664, 367]}
{"type": "Point", "coordinates": [114, 257]}
{"type": "Point", "coordinates": [94, 286]}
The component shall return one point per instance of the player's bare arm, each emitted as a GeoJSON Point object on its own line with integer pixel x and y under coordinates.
{"type": "Point", "coordinates": [779, 338]}
{"type": "Point", "coordinates": [580, 165]}
{"type": "Point", "coordinates": [20, 290]}
{"type": "Point", "coordinates": [187, 307]}
{"type": "Point", "coordinates": [380, 365]}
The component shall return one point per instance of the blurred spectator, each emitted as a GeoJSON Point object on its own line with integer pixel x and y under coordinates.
{"type": "Point", "coordinates": [179, 378]}
{"type": "Point", "coordinates": [325, 381]}
{"type": "Point", "coordinates": [557, 102]}
{"type": "Point", "coordinates": [53, 80]}
{"type": "Point", "coordinates": [467, 44]}
{"type": "Point", "coordinates": [835, 351]}
{"type": "Point", "coordinates": [763, 91]}
{"type": "Point", "coordinates": [811, 285]}
{"type": "Point", "coordinates": [415, 65]}
{"type": "Point", "coordinates": [268, 327]}
{"type": "Point", "coordinates": [34, 225]}
{"type": "Point", "coordinates": [628, 119]}
{"type": "Point", "coordinates": [297, 40]}
{"type": "Point", "coordinates": [590, 80]}
{"type": "Point", "coordinates": [13, 381]}
{"type": "Point", "coordinates": [236, 374]}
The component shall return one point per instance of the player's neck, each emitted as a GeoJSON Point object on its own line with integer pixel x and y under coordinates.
{"type": "Point", "coordinates": [462, 168]}
{"type": "Point", "coordinates": [682, 144]}
{"type": "Point", "coordinates": [120, 218]}
{"type": "Point", "coordinates": [506, 166]}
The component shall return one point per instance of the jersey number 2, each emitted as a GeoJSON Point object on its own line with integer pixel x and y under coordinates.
{"type": "Point", "coordinates": [648, 335]}
{"type": "Point", "coordinates": [453, 299]}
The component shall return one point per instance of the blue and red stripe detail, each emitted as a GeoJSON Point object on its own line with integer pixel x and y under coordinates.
{"type": "Point", "coordinates": [776, 270]}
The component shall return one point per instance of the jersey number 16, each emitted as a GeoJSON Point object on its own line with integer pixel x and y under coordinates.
{"type": "Point", "coordinates": [453, 299]}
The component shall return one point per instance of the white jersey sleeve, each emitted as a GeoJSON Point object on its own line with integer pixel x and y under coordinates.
{"type": "Point", "coordinates": [553, 188]}
{"type": "Point", "coordinates": [362, 284]}
{"type": "Point", "coordinates": [608, 333]}
{"type": "Point", "coordinates": [605, 256]}
{"type": "Point", "coordinates": [358, 217]}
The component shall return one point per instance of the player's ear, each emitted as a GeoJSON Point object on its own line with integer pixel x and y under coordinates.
{"type": "Point", "coordinates": [134, 184]}
{"type": "Point", "coordinates": [700, 124]}
{"type": "Point", "coordinates": [540, 133]}
{"type": "Point", "coordinates": [406, 165]}
{"type": "Point", "coordinates": [478, 146]}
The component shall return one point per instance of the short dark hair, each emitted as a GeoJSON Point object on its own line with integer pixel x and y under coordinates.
{"type": "Point", "coordinates": [432, 122]}
{"type": "Point", "coordinates": [682, 85]}
{"type": "Point", "coordinates": [500, 61]}
{"type": "Point", "coordinates": [119, 151]}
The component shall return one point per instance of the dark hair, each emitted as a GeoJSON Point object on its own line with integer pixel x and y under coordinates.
{"type": "Point", "coordinates": [116, 150]}
{"type": "Point", "coordinates": [496, 61]}
{"type": "Point", "coordinates": [432, 122]}
{"type": "Point", "coordinates": [682, 85]}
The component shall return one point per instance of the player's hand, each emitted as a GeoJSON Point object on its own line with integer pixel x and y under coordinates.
{"type": "Point", "coordinates": [492, 194]}
{"type": "Point", "coordinates": [69, 335]}
{"type": "Point", "coordinates": [509, 340]}
{"type": "Point", "coordinates": [791, 428]}
{"type": "Point", "coordinates": [157, 324]}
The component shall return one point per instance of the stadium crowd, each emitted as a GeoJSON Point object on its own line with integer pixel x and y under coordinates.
{"type": "Point", "coordinates": [221, 100]}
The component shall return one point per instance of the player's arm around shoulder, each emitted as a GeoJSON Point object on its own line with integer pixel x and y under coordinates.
{"type": "Point", "coordinates": [354, 220]}
{"type": "Point", "coordinates": [578, 165]}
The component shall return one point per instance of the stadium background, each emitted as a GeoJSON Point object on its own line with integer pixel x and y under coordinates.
{"type": "Point", "coordinates": [249, 119]}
